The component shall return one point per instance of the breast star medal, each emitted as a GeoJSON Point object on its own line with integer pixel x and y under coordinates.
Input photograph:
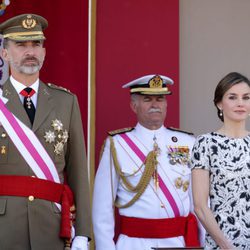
{"type": "Point", "coordinates": [50, 136]}
{"type": "Point", "coordinates": [57, 125]}
{"type": "Point", "coordinates": [58, 136]}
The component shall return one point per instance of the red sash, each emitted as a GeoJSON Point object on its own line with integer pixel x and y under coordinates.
{"type": "Point", "coordinates": [11, 185]}
{"type": "Point", "coordinates": [162, 228]}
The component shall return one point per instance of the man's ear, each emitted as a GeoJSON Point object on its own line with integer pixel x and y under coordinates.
{"type": "Point", "coordinates": [133, 106]}
{"type": "Point", "coordinates": [4, 54]}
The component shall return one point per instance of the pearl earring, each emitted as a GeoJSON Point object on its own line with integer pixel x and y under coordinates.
{"type": "Point", "coordinates": [220, 113]}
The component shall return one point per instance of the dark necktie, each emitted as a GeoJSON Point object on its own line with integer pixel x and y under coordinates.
{"type": "Point", "coordinates": [28, 104]}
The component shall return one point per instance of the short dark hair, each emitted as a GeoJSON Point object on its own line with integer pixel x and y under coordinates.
{"type": "Point", "coordinates": [224, 85]}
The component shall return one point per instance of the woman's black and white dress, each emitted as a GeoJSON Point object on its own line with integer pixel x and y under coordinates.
{"type": "Point", "coordinates": [228, 162]}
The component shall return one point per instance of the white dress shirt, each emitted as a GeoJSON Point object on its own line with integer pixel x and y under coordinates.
{"type": "Point", "coordinates": [20, 86]}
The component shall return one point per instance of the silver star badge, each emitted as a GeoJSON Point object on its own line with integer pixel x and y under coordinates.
{"type": "Point", "coordinates": [57, 125]}
{"type": "Point", "coordinates": [65, 136]}
{"type": "Point", "coordinates": [58, 148]}
{"type": "Point", "coordinates": [50, 136]}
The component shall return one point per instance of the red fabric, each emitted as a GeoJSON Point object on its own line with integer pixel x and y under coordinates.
{"type": "Point", "coordinates": [191, 235]}
{"type": "Point", "coordinates": [42, 189]}
{"type": "Point", "coordinates": [162, 228]}
{"type": "Point", "coordinates": [26, 94]}
{"type": "Point", "coordinates": [127, 48]}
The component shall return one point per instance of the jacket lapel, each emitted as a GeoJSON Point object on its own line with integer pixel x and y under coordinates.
{"type": "Point", "coordinates": [14, 104]}
{"type": "Point", "coordinates": [44, 105]}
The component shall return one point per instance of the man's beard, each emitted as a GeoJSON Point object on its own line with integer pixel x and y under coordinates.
{"type": "Point", "coordinates": [29, 70]}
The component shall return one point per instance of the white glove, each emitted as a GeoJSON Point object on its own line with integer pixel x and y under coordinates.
{"type": "Point", "coordinates": [80, 243]}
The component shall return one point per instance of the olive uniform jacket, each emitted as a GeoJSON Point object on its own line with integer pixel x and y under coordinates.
{"type": "Point", "coordinates": [35, 225]}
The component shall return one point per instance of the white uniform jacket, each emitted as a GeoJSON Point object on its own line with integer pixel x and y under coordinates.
{"type": "Point", "coordinates": [153, 203]}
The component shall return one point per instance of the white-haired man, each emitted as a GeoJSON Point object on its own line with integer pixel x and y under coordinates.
{"type": "Point", "coordinates": [144, 171]}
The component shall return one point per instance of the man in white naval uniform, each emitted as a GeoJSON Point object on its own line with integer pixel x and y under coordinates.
{"type": "Point", "coordinates": [144, 171]}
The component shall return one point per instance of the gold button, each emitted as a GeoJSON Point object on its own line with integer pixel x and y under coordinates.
{"type": "Point", "coordinates": [3, 135]}
{"type": "Point", "coordinates": [31, 198]}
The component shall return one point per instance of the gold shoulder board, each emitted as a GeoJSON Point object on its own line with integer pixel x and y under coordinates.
{"type": "Point", "coordinates": [179, 130]}
{"type": "Point", "coordinates": [53, 86]}
{"type": "Point", "coordinates": [120, 131]}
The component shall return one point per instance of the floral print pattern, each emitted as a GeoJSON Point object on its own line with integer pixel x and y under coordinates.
{"type": "Point", "coordinates": [228, 162]}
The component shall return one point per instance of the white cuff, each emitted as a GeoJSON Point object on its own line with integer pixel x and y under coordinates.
{"type": "Point", "coordinates": [80, 243]}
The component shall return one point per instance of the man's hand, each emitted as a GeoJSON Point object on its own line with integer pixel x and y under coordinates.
{"type": "Point", "coordinates": [80, 243]}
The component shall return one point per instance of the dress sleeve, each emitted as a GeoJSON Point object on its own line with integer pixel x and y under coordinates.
{"type": "Point", "coordinates": [200, 157]}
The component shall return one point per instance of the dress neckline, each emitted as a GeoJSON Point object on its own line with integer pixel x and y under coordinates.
{"type": "Point", "coordinates": [230, 138]}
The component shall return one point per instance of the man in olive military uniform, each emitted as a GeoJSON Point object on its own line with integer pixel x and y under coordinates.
{"type": "Point", "coordinates": [145, 172]}
{"type": "Point", "coordinates": [43, 174]}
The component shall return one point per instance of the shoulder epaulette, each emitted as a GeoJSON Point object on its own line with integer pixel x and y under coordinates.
{"type": "Point", "coordinates": [179, 130]}
{"type": "Point", "coordinates": [120, 131]}
{"type": "Point", "coordinates": [53, 86]}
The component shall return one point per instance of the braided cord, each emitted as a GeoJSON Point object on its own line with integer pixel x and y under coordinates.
{"type": "Point", "coordinates": [150, 165]}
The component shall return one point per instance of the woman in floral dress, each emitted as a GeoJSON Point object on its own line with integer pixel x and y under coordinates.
{"type": "Point", "coordinates": [221, 169]}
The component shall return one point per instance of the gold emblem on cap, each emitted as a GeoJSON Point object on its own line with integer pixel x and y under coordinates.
{"type": "Point", "coordinates": [156, 82]}
{"type": "Point", "coordinates": [29, 22]}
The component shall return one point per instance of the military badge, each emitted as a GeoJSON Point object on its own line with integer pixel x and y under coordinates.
{"type": "Point", "coordinates": [174, 139]}
{"type": "Point", "coordinates": [29, 22]}
{"type": "Point", "coordinates": [179, 183]}
{"type": "Point", "coordinates": [50, 136]}
{"type": "Point", "coordinates": [3, 150]}
{"type": "Point", "coordinates": [57, 125]}
{"type": "Point", "coordinates": [59, 136]}
{"type": "Point", "coordinates": [58, 148]}
{"type": "Point", "coordinates": [178, 155]}
{"type": "Point", "coordinates": [156, 82]}
{"type": "Point", "coordinates": [185, 186]}
{"type": "Point", "coordinates": [7, 92]}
